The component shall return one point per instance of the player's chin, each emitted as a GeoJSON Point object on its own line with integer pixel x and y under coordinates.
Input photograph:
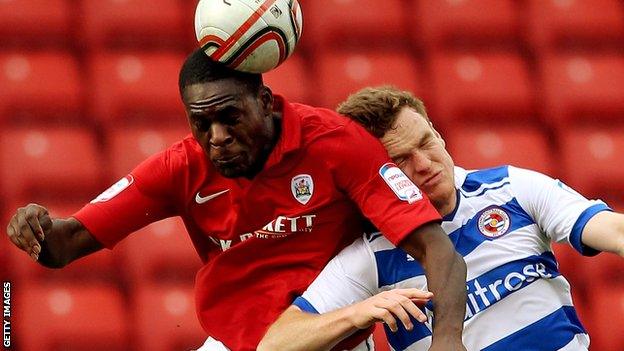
{"type": "Point", "coordinates": [233, 169]}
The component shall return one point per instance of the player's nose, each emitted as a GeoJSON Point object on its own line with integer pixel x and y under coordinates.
{"type": "Point", "coordinates": [421, 162]}
{"type": "Point", "coordinates": [220, 136]}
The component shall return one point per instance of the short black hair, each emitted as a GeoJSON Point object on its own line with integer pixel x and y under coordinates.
{"type": "Point", "coordinates": [199, 68]}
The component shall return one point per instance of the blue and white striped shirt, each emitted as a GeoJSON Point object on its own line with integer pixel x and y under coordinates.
{"type": "Point", "coordinates": [503, 225]}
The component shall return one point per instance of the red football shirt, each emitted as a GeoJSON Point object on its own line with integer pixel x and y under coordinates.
{"type": "Point", "coordinates": [263, 241]}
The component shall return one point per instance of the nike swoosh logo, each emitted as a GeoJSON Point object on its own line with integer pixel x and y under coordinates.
{"type": "Point", "coordinates": [202, 200]}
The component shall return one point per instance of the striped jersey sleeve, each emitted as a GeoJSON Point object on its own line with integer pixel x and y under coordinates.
{"type": "Point", "coordinates": [348, 278]}
{"type": "Point", "coordinates": [559, 211]}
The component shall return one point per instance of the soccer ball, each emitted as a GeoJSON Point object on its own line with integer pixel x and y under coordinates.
{"type": "Point", "coordinates": [248, 35]}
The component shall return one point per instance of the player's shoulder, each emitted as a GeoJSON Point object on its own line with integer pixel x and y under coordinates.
{"type": "Point", "coordinates": [477, 179]}
{"type": "Point", "coordinates": [326, 126]}
{"type": "Point", "coordinates": [501, 182]}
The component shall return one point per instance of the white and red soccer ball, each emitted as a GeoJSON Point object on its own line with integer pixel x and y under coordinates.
{"type": "Point", "coordinates": [248, 35]}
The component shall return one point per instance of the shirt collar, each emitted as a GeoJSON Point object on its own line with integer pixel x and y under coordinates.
{"type": "Point", "coordinates": [460, 178]}
{"type": "Point", "coordinates": [290, 136]}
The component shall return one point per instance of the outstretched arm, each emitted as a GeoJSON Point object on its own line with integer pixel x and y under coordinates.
{"type": "Point", "coordinates": [446, 279]}
{"type": "Point", "coordinates": [298, 330]}
{"type": "Point", "coordinates": [605, 232]}
{"type": "Point", "coordinates": [53, 243]}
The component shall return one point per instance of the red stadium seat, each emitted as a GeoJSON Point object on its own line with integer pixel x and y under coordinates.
{"type": "Point", "coordinates": [485, 86]}
{"type": "Point", "coordinates": [165, 319]}
{"type": "Point", "coordinates": [136, 87]}
{"type": "Point", "coordinates": [69, 317]}
{"type": "Point", "coordinates": [50, 161]}
{"type": "Point", "coordinates": [39, 87]}
{"type": "Point", "coordinates": [339, 23]}
{"type": "Point", "coordinates": [459, 23]}
{"type": "Point", "coordinates": [132, 23]}
{"type": "Point", "coordinates": [160, 252]}
{"type": "Point", "coordinates": [583, 88]}
{"type": "Point", "coordinates": [557, 24]}
{"type": "Point", "coordinates": [592, 158]}
{"type": "Point", "coordinates": [343, 73]}
{"type": "Point", "coordinates": [35, 23]}
{"type": "Point", "coordinates": [129, 147]}
{"type": "Point", "coordinates": [607, 308]}
{"type": "Point", "coordinates": [290, 80]}
{"type": "Point", "coordinates": [484, 145]}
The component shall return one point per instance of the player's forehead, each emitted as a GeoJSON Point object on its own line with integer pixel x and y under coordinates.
{"type": "Point", "coordinates": [217, 95]}
{"type": "Point", "coordinates": [407, 132]}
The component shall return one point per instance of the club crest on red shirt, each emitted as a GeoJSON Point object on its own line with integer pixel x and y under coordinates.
{"type": "Point", "coordinates": [302, 187]}
{"type": "Point", "coordinates": [494, 222]}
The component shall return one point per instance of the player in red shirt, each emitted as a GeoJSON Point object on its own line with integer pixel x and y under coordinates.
{"type": "Point", "coordinates": [269, 192]}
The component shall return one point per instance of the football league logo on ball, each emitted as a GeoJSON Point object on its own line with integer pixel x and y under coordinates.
{"type": "Point", "coordinates": [494, 222]}
{"type": "Point", "coordinates": [249, 35]}
{"type": "Point", "coordinates": [302, 188]}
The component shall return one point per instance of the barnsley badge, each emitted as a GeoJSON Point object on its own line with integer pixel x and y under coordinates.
{"type": "Point", "coordinates": [302, 188]}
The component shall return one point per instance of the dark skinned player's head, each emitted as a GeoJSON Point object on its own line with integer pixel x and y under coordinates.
{"type": "Point", "coordinates": [230, 114]}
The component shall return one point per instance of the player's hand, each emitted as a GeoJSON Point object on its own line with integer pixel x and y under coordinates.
{"type": "Point", "coordinates": [389, 306]}
{"type": "Point", "coordinates": [28, 228]}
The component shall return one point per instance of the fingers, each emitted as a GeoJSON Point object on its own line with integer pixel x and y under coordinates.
{"type": "Point", "coordinates": [24, 229]}
{"type": "Point", "coordinates": [15, 237]}
{"type": "Point", "coordinates": [415, 294]}
{"type": "Point", "coordinates": [33, 217]}
{"type": "Point", "coordinates": [383, 315]}
{"type": "Point", "coordinates": [400, 303]}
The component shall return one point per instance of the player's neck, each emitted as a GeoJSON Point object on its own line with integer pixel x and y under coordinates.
{"type": "Point", "coordinates": [266, 152]}
{"type": "Point", "coordinates": [448, 206]}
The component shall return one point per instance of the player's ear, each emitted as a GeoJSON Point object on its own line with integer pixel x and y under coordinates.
{"type": "Point", "coordinates": [266, 100]}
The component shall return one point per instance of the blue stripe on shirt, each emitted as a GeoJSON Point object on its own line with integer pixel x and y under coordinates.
{"type": "Point", "coordinates": [304, 305]}
{"type": "Point", "coordinates": [393, 266]}
{"type": "Point", "coordinates": [548, 334]}
{"type": "Point", "coordinates": [402, 338]}
{"type": "Point", "coordinates": [468, 237]}
{"type": "Point", "coordinates": [475, 180]}
{"type": "Point", "coordinates": [576, 235]}
{"type": "Point", "coordinates": [492, 286]}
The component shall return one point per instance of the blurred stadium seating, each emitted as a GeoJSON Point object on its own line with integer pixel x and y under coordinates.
{"type": "Point", "coordinates": [342, 72]}
{"type": "Point", "coordinates": [473, 23]}
{"type": "Point", "coordinates": [77, 317]}
{"type": "Point", "coordinates": [159, 252]}
{"type": "Point", "coordinates": [88, 89]}
{"type": "Point", "coordinates": [38, 87]}
{"type": "Point", "coordinates": [483, 144]}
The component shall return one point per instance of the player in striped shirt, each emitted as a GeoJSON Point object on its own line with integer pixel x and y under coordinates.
{"type": "Point", "coordinates": [501, 220]}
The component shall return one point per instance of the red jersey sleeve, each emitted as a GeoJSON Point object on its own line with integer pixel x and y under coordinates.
{"type": "Point", "coordinates": [144, 196]}
{"type": "Point", "coordinates": [384, 194]}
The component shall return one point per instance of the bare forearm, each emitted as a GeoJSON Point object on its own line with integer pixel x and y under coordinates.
{"type": "Point", "coordinates": [67, 241]}
{"type": "Point", "coordinates": [446, 279]}
{"type": "Point", "coordinates": [297, 330]}
{"type": "Point", "coordinates": [605, 232]}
